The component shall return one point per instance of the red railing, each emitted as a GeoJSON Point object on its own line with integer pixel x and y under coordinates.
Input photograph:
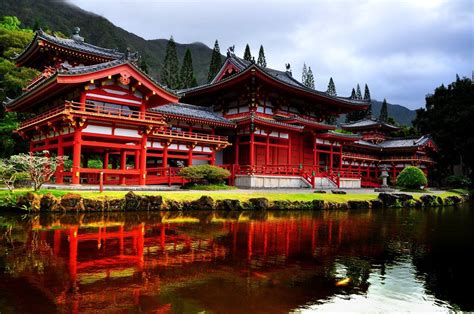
{"type": "Point", "coordinates": [406, 158]}
{"type": "Point", "coordinates": [192, 135]}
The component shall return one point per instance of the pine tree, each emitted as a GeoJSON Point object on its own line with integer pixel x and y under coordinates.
{"type": "Point", "coordinates": [384, 111]}
{"type": "Point", "coordinates": [310, 79]}
{"type": "Point", "coordinates": [144, 65]}
{"type": "Point", "coordinates": [261, 58]}
{"type": "Point", "coordinates": [216, 62]}
{"type": "Point", "coordinates": [353, 94]}
{"type": "Point", "coordinates": [331, 88]}
{"type": "Point", "coordinates": [366, 93]}
{"type": "Point", "coordinates": [331, 120]}
{"type": "Point", "coordinates": [368, 112]}
{"type": "Point", "coordinates": [247, 54]}
{"type": "Point", "coordinates": [358, 92]}
{"type": "Point", "coordinates": [304, 74]}
{"type": "Point", "coordinates": [170, 72]}
{"type": "Point", "coordinates": [187, 72]}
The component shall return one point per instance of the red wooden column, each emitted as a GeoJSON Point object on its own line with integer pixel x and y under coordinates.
{"type": "Point", "coordinates": [267, 148]}
{"type": "Point", "coordinates": [142, 161]}
{"type": "Point", "coordinates": [60, 169]}
{"type": "Point", "coordinates": [252, 148]}
{"type": "Point", "coordinates": [191, 147]}
{"type": "Point", "coordinates": [340, 156]}
{"type": "Point", "coordinates": [394, 173]}
{"type": "Point", "coordinates": [165, 154]}
{"type": "Point", "coordinates": [237, 144]}
{"type": "Point", "coordinates": [212, 161]}
{"type": "Point", "coordinates": [315, 153]}
{"type": "Point", "coordinates": [82, 100]}
{"type": "Point", "coordinates": [123, 165]}
{"type": "Point", "coordinates": [289, 149]}
{"type": "Point", "coordinates": [331, 161]}
{"type": "Point", "coordinates": [76, 156]}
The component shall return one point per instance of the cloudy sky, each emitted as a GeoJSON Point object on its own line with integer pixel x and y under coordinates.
{"type": "Point", "coordinates": [401, 49]}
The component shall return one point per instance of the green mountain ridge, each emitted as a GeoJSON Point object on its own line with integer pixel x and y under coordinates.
{"type": "Point", "coordinates": [97, 30]}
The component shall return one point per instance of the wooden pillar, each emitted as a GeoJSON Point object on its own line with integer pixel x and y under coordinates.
{"type": "Point", "coordinates": [137, 160]}
{"type": "Point", "coordinates": [252, 148]}
{"type": "Point", "coordinates": [142, 161]}
{"type": "Point", "coordinates": [340, 156]}
{"type": "Point", "coordinates": [60, 169]}
{"type": "Point", "coordinates": [237, 144]}
{"type": "Point", "coordinates": [123, 165]}
{"type": "Point", "coordinates": [267, 148]}
{"type": "Point", "coordinates": [315, 153]}
{"type": "Point", "coordinates": [331, 161]}
{"type": "Point", "coordinates": [76, 156]}
{"type": "Point", "coordinates": [106, 160]}
{"type": "Point", "coordinates": [394, 173]}
{"type": "Point", "coordinates": [289, 149]}
{"type": "Point", "coordinates": [82, 100]}
{"type": "Point", "coordinates": [212, 161]}
{"type": "Point", "coordinates": [191, 147]}
{"type": "Point", "coordinates": [165, 154]}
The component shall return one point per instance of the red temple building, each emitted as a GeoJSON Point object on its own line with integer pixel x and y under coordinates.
{"type": "Point", "coordinates": [264, 126]}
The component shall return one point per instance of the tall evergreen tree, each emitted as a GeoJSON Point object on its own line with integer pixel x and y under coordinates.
{"type": "Point", "coordinates": [261, 58]}
{"type": "Point", "coordinates": [187, 71]}
{"type": "Point", "coordinates": [304, 74]}
{"type": "Point", "coordinates": [384, 111]}
{"type": "Point", "coordinates": [144, 65]}
{"type": "Point", "coordinates": [331, 88]}
{"type": "Point", "coordinates": [310, 79]}
{"type": "Point", "coordinates": [170, 71]}
{"type": "Point", "coordinates": [368, 112]}
{"type": "Point", "coordinates": [247, 54]}
{"type": "Point", "coordinates": [366, 93]}
{"type": "Point", "coordinates": [358, 92]}
{"type": "Point", "coordinates": [216, 62]}
{"type": "Point", "coordinates": [353, 94]}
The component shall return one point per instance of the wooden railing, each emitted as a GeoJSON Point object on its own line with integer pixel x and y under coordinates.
{"type": "Point", "coordinates": [79, 109]}
{"type": "Point", "coordinates": [192, 135]}
{"type": "Point", "coordinates": [406, 158]}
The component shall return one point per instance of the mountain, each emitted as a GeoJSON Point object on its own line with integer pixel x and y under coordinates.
{"type": "Point", "coordinates": [63, 17]}
{"type": "Point", "coordinates": [401, 114]}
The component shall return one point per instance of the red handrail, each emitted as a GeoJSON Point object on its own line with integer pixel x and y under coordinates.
{"type": "Point", "coordinates": [193, 135]}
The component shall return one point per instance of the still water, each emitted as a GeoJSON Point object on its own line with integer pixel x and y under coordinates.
{"type": "Point", "coordinates": [238, 262]}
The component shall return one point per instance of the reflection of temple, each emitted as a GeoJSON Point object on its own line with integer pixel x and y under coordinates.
{"type": "Point", "coordinates": [107, 261]}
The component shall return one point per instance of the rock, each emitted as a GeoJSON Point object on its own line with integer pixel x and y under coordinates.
{"type": "Point", "coordinates": [30, 200]}
{"type": "Point", "coordinates": [318, 204]}
{"type": "Point", "coordinates": [72, 201]}
{"type": "Point", "coordinates": [174, 205]}
{"type": "Point", "coordinates": [228, 205]}
{"type": "Point", "coordinates": [358, 204]}
{"type": "Point", "coordinates": [453, 200]}
{"type": "Point", "coordinates": [376, 204]}
{"type": "Point", "coordinates": [151, 202]}
{"type": "Point", "coordinates": [389, 200]}
{"type": "Point", "coordinates": [203, 203]}
{"type": "Point", "coordinates": [132, 201]}
{"type": "Point", "coordinates": [282, 205]}
{"type": "Point", "coordinates": [338, 192]}
{"type": "Point", "coordinates": [93, 204]}
{"type": "Point", "coordinates": [429, 200]}
{"type": "Point", "coordinates": [320, 191]}
{"type": "Point", "coordinates": [49, 202]}
{"type": "Point", "coordinates": [259, 203]}
{"type": "Point", "coordinates": [403, 197]}
{"type": "Point", "coordinates": [115, 204]}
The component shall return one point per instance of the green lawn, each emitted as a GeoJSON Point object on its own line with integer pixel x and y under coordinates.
{"type": "Point", "coordinates": [241, 195]}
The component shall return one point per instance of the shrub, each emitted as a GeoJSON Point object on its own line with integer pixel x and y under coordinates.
{"type": "Point", "coordinates": [458, 181]}
{"type": "Point", "coordinates": [204, 174]}
{"type": "Point", "coordinates": [411, 178]}
{"type": "Point", "coordinates": [95, 164]}
{"type": "Point", "coordinates": [67, 165]}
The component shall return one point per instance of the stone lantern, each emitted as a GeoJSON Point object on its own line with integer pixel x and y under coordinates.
{"type": "Point", "coordinates": [384, 175]}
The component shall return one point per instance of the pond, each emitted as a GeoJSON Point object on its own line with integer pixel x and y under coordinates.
{"type": "Point", "coordinates": [238, 262]}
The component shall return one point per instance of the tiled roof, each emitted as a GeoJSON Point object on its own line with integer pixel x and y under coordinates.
{"type": "Point", "coordinates": [77, 45]}
{"type": "Point", "coordinates": [305, 121]}
{"type": "Point", "coordinates": [191, 111]}
{"type": "Point", "coordinates": [368, 122]}
{"type": "Point", "coordinates": [268, 121]}
{"type": "Point", "coordinates": [397, 143]}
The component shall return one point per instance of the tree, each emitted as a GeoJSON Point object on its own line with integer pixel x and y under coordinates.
{"type": "Point", "coordinates": [358, 94]}
{"type": "Point", "coordinates": [247, 54]}
{"type": "Point", "coordinates": [366, 93]}
{"type": "Point", "coordinates": [412, 178]}
{"type": "Point", "coordinates": [383, 117]}
{"type": "Point", "coordinates": [261, 58]}
{"type": "Point", "coordinates": [170, 72]}
{"type": "Point", "coordinates": [353, 94]}
{"type": "Point", "coordinates": [9, 174]}
{"type": "Point", "coordinates": [40, 167]}
{"type": "Point", "coordinates": [331, 120]}
{"type": "Point", "coordinates": [448, 119]}
{"type": "Point", "coordinates": [368, 112]}
{"type": "Point", "coordinates": [216, 62]}
{"type": "Point", "coordinates": [304, 74]}
{"type": "Point", "coordinates": [331, 88]}
{"type": "Point", "coordinates": [187, 72]}
{"type": "Point", "coordinates": [144, 65]}
{"type": "Point", "coordinates": [204, 174]}
{"type": "Point", "coordinates": [310, 79]}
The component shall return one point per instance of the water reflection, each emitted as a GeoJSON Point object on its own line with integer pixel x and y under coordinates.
{"type": "Point", "coordinates": [234, 262]}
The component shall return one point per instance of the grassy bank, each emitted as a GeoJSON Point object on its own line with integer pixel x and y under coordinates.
{"type": "Point", "coordinates": [241, 195]}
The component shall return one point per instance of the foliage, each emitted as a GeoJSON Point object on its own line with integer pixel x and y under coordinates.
{"type": "Point", "coordinates": [186, 74]}
{"type": "Point", "coordinates": [262, 61]}
{"type": "Point", "coordinates": [331, 88]}
{"type": "Point", "coordinates": [216, 62]}
{"type": "Point", "coordinates": [304, 74]}
{"type": "Point", "coordinates": [170, 71]}
{"type": "Point", "coordinates": [383, 117]}
{"type": "Point", "coordinates": [341, 131]}
{"type": "Point", "coordinates": [448, 119]}
{"type": "Point", "coordinates": [40, 167]}
{"type": "Point", "coordinates": [95, 164]}
{"type": "Point", "coordinates": [8, 174]}
{"type": "Point", "coordinates": [412, 178]}
{"type": "Point", "coordinates": [67, 165]}
{"type": "Point", "coordinates": [358, 93]}
{"type": "Point", "coordinates": [309, 79]}
{"type": "Point", "coordinates": [208, 187]}
{"type": "Point", "coordinates": [204, 174]}
{"type": "Point", "coordinates": [247, 54]}
{"type": "Point", "coordinates": [458, 181]}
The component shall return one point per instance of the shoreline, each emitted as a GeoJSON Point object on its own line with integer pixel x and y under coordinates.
{"type": "Point", "coordinates": [87, 201]}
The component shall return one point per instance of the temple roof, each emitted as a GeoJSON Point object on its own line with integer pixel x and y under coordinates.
{"type": "Point", "coordinates": [308, 122]}
{"type": "Point", "coordinates": [75, 44]}
{"type": "Point", "coordinates": [178, 110]}
{"type": "Point", "coordinates": [402, 143]}
{"type": "Point", "coordinates": [283, 77]}
{"type": "Point", "coordinates": [369, 123]}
